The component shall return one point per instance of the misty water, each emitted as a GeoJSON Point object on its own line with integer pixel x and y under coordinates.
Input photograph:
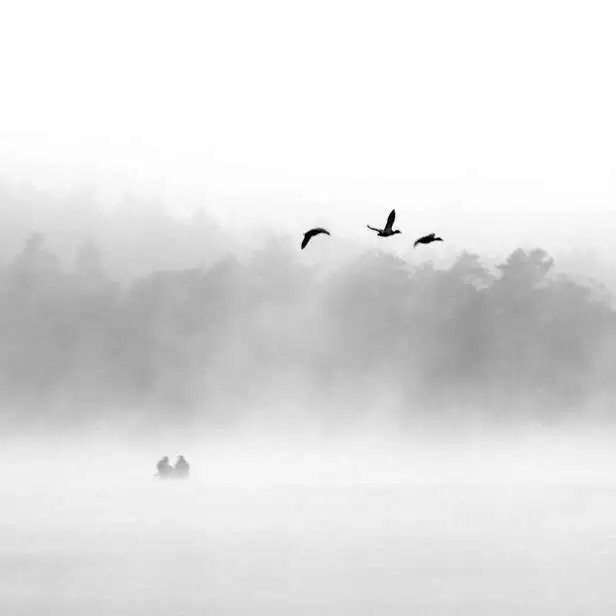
{"type": "Point", "coordinates": [310, 525]}
{"type": "Point", "coordinates": [374, 427]}
{"type": "Point", "coordinates": [368, 434]}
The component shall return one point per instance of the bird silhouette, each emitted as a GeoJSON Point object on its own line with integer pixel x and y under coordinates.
{"type": "Point", "coordinates": [428, 239]}
{"type": "Point", "coordinates": [387, 231]}
{"type": "Point", "coordinates": [310, 234]}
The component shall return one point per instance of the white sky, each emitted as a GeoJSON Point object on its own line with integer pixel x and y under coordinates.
{"type": "Point", "coordinates": [489, 119]}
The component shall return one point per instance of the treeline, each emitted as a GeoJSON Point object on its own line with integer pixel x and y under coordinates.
{"type": "Point", "coordinates": [270, 334]}
{"type": "Point", "coordinates": [136, 234]}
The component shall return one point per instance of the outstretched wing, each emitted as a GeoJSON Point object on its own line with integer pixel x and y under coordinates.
{"type": "Point", "coordinates": [318, 230]}
{"type": "Point", "coordinates": [373, 228]}
{"type": "Point", "coordinates": [390, 220]}
{"type": "Point", "coordinates": [310, 234]}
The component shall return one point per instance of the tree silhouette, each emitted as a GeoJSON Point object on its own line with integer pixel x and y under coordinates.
{"type": "Point", "coordinates": [244, 335]}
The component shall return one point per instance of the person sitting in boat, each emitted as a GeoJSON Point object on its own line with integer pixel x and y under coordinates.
{"type": "Point", "coordinates": [181, 468]}
{"type": "Point", "coordinates": [164, 468]}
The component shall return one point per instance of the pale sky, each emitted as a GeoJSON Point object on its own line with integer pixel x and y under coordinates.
{"type": "Point", "coordinates": [489, 120]}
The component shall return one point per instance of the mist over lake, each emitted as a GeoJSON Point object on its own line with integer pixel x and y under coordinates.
{"type": "Point", "coordinates": [368, 431]}
{"type": "Point", "coordinates": [307, 308]}
{"type": "Point", "coordinates": [312, 525]}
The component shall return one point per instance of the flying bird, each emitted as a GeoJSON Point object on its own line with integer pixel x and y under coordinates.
{"type": "Point", "coordinates": [310, 234]}
{"type": "Point", "coordinates": [387, 231]}
{"type": "Point", "coordinates": [428, 239]}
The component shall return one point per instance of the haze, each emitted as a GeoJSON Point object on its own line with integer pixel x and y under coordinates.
{"type": "Point", "coordinates": [319, 525]}
{"type": "Point", "coordinates": [371, 428]}
{"type": "Point", "coordinates": [491, 123]}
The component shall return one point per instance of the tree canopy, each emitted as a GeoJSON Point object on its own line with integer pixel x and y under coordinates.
{"type": "Point", "coordinates": [242, 334]}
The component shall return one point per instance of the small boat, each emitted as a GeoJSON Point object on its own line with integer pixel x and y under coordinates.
{"type": "Point", "coordinates": [173, 475]}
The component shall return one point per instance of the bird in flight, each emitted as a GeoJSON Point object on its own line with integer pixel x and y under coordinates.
{"type": "Point", "coordinates": [428, 239]}
{"type": "Point", "coordinates": [387, 231]}
{"type": "Point", "coordinates": [310, 234]}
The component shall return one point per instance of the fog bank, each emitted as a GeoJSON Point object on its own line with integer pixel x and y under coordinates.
{"type": "Point", "coordinates": [143, 320]}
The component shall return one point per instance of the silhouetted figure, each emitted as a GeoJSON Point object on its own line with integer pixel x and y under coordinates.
{"type": "Point", "coordinates": [427, 239]}
{"type": "Point", "coordinates": [164, 468]}
{"type": "Point", "coordinates": [181, 468]}
{"type": "Point", "coordinates": [387, 231]}
{"type": "Point", "coordinates": [310, 234]}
